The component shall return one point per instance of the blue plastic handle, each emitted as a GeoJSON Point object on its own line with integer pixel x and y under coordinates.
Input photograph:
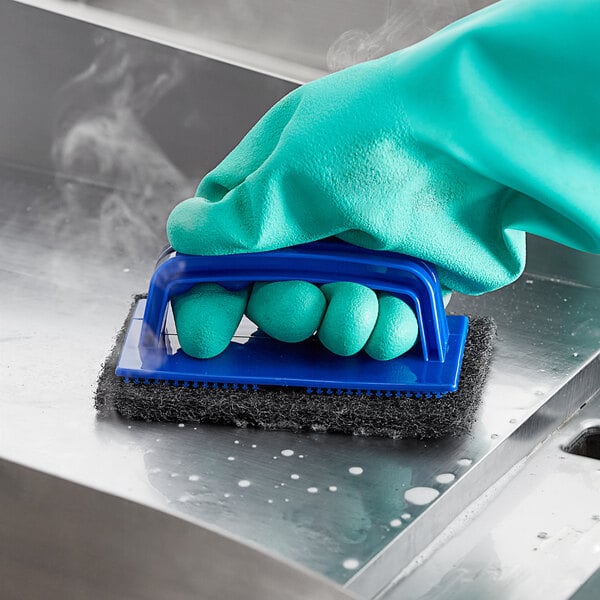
{"type": "Point", "coordinates": [414, 280]}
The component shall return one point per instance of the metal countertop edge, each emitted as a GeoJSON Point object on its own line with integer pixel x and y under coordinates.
{"type": "Point", "coordinates": [88, 532]}
{"type": "Point", "coordinates": [373, 579]}
{"type": "Point", "coordinates": [243, 58]}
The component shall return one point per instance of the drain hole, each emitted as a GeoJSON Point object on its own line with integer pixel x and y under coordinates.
{"type": "Point", "coordinates": [586, 444]}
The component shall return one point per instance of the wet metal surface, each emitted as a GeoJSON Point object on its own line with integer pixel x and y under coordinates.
{"type": "Point", "coordinates": [79, 232]}
{"type": "Point", "coordinates": [65, 541]}
{"type": "Point", "coordinates": [537, 535]}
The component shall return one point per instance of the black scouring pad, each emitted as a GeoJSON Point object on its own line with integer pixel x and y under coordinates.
{"type": "Point", "coordinates": [294, 409]}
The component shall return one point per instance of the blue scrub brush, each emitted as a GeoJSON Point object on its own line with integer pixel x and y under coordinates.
{"type": "Point", "coordinates": [275, 385]}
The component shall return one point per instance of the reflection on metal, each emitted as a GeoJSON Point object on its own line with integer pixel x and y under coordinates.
{"type": "Point", "coordinates": [61, 540]}
{"type": "Point", "coordinates": [82, 232]}
{"type": "Point", "coordinates": [538, 535]}
{"type": "Point", "coordinates": [296, 40]}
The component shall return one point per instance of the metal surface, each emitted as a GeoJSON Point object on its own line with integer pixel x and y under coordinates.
{"type": "Point", "coordinates": [61, 540]}
{"type": "Point", "coordinates": [297, 40]}
{"type": "Point", "coordinates": [590, 590]}
{"type": "Point", "coordinates": [537, 534]}
{"type": "Point", "coordinates": [93, 157]}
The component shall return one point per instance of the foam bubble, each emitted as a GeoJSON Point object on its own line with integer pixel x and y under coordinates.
{"type": "Point", "coordinates": [421, 495]}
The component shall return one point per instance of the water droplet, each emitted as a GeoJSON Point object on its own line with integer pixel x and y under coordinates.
{"type": "Point", "coordinates": [270, 501]}
{"type": "Point", "coordinates": [513, 421]}
{"type": "Point", "coordinates": [253, 445]}
{"type": "Point", "coordinates": [174, 474]}
{"type": "Point", "coordinates": [494, 436]}
{"type": "Point", "coordinates": [286, 499]}
{"type": "Point", "coordinates": [226, 495]}
{"type": "Point", "coordinates": [445, 478]}
{"type": "Point", "coordinates": [542, 535]}
{"type": "Point", "coordinates": [355, 470]}
{"type": "Point", "coordinates": [294, 476]}
{"type": "Point", "coordinates": [194, 478]}
{"type": "Point", "coordinates": [312, 490]}
{"type": "Point", "coordinates": [421, 495]}
{"type": "Point", "coordinates": [529, 281]}
{"type": "Point", "coordinates": [181, 425]}
{"type": "Point", "coordinates": [158, 439]}
{"type": "Point", "coordinates": [406, 516]}
{"type": "Point", "coordinates": [575, 354]}
{"type": "Point", "coordinates": [128, 426]}
{"type": "Point", "coordinates": [243, 483]}
{"type": "Point", "coordinates": [395, 523]}
{"type": "Point", "coordinates": [300, 455]}
{"type": "Point", "coordinates": [236, 441]}
{"type": "Point", "coordinates": [287, 452]}
{"type": "Point", "coordinates": [351, 564]}
{"type": "Point", "coordinates": [274, 458]}
{"type": "Point", "coordinates": [464, 462]}
{"type": "Point", "coordinates": [276, 486]}
{"type": "Point", "coordinates": [332, 488]}
{"type": "Point", "coordinates": [231, 458]}
{"type": "Point", "coordinates": [124, 270]}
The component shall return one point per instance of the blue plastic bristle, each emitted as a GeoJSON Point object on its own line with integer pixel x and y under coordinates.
{"type": "Point", "coordinates": [432, 366]}
{"type": "Point", "coordinates": [254, 387]}
{"type": "Point", "coordinates": [309, 390]}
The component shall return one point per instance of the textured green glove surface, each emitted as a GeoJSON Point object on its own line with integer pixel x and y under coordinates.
{"type": "Point", "coordinates": [207, 317]}
{"type": "Point", "coordinates": [290, 311]}
{"type": "Point", "coordinates": [448, 151]}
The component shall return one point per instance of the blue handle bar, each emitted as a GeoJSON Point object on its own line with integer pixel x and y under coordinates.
{"type": "Point", "coordinates": [414, 280]}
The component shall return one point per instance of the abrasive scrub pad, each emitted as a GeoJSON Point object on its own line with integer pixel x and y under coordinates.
{"type": "Point", "coordinates": [258, 381]}
{"type": "Point", "coordinates": [293, 409]}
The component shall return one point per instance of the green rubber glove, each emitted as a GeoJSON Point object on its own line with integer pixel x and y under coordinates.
{"type": "Point", "coordinates": [448, 151]}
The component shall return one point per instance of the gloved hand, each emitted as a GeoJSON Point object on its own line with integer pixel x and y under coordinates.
{"type": "Point", "coordinates": [448, 151]}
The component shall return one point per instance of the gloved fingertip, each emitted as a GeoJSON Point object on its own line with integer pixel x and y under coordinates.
{"type": "Point", "coordinates": [396, 330]}
{"type": "Point", "coordinates": [350, 317]}
{"type": "Point", "coordinates": [206, 318]}
{"type": "Point", "coordinates": [289, 311]}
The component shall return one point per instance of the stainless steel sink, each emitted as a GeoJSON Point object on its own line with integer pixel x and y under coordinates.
{"type": "Point", "coordinates": [102, 134]}
{"type": "Point", "coordinates": [297, 40]}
